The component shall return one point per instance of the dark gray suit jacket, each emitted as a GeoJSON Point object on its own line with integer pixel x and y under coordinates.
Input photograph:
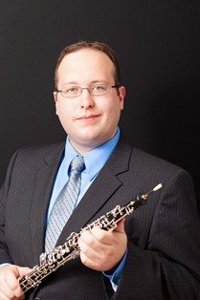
{"type": "Point", "coordinates": [163, 235]}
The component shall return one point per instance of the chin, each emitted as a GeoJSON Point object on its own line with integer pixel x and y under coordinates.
{"type": "Point", "coordinates": [89, 142]}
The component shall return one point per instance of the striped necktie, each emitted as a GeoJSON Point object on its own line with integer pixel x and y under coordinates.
{"type": "Point", "coordinates": [65, 204]}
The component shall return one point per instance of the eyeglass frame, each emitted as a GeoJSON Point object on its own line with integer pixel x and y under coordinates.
{"type": "Point", "coordinates": [89, 90]}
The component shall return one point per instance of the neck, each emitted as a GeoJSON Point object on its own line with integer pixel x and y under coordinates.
{"type": "Point", "coordinates": [84, 148]}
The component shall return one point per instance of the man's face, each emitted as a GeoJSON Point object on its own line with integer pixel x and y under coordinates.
{"type": "Point", "coordinates": [88, 120]}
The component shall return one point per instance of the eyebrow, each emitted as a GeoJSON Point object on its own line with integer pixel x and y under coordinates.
{"type": "Point", "coordinates": [76, 83]}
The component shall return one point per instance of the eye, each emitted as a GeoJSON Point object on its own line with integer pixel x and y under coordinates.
{"type": "Point", "coordinates": [99, 88]}
{"type": "Point", "coordinates": [72, 90]}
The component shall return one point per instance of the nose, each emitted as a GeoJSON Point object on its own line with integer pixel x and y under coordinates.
{"type": "Point", "coordinates": [86, 100]}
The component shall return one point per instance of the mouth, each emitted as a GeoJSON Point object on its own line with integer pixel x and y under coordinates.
{"type": "Point", "coordinates": [88, 118]}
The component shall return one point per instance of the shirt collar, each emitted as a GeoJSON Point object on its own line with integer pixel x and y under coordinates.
{"type": "Point", "coordinates": [94, 159]}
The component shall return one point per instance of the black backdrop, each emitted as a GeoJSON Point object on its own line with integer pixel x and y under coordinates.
{"type": "Point", "coordinates": [158, 45]}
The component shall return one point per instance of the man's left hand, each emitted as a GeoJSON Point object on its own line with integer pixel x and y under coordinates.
{"type": "Point", "coordinates": [102, 250]}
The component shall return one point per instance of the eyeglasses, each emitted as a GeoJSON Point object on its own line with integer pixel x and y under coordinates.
{"type": "Point", "coordinates": [99, 89]}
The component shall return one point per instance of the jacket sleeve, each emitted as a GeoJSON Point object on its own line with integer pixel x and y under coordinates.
{"type": "Point", "coordinates": [4, 252]}
{"type": "Point", "coordinates": [169, 266]}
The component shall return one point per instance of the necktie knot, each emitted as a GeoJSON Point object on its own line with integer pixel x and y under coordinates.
{"type": "Point", "coordinates": [77, 165]}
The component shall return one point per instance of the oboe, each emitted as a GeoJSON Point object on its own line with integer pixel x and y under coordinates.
{"type": "Point", "coordinates": [50, 262]}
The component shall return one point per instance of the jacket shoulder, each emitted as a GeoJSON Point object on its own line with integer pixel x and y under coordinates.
{"type": "Point", "coordinates": [34, 156]}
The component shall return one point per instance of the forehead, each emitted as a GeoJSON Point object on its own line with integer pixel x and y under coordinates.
{"type": "Point", "coordinates": [85, 63]}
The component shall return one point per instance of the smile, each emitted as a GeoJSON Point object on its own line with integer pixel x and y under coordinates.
{"type": "Point", "coordinates": [88, 118]}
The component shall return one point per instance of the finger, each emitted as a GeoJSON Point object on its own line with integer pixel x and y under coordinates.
{"type": "Point", "coordinates": [88, 237]}
{"type": "Point", "coordinates": [23, 271]}
{"type": "Point", "coordinates": [109, 237]}
{"type": "Point", "coordinates": [102, 236]}
{"type": "Point", "coordinates": [13, 284]}
{"type": "Point", "coordinates": [89, 244]}
{"type": "Point", "coordinates": [92, 248]}
{"type": "Point", "coordinates": [5, 291]}
{"type": "Point", "coordinates": [97, 241]}
{"type": "Point", "coordinates": [92, 259]}
{"type": "Point", "coordinates": [97, 255]}
{"type": "Point", "coordinates": [120, 226]}
{"type": "Point", "coordinates": [3, 296]}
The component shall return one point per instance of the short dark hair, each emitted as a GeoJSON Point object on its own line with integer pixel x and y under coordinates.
{"type": "Point", "coordinates": [98, 46]}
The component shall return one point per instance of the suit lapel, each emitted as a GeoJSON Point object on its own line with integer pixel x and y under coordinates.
{"type": "Point", "coordinates": [44, 179]}
{"type": "Point", "coordinates": [104, 186]}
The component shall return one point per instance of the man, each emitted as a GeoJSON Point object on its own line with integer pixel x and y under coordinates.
{"type": "Point", "coordinates": [153, 255]}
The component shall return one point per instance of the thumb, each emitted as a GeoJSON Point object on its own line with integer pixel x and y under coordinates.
{"type": "Point", "coordinates": [23, 271]}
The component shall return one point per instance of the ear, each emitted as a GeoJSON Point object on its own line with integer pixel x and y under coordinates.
{"type": "Point", "coordinates": [122, 94]}
{"type": "Point", "coordinates": [55, 94]}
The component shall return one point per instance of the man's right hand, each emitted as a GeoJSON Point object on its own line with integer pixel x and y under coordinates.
{"type": "Point", "coordinates": [9, 282]}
